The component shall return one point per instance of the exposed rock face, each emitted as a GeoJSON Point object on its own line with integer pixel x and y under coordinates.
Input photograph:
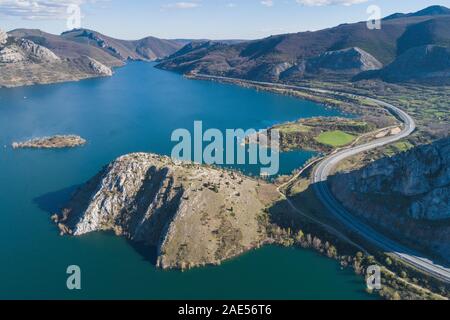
{"type": "Point", "coordinates": [102, 43]}
{"type": "Point", "coordinates": [280, 68]}
{"type": "Point", "coordinates": [34, 57]}
{"type": "Point", "coordinates": [193, 215]}
{"type": "Point", "coordinates": [149, 48]}
{"type": "Point", "coordinates": [411, 174]}
{"type": "Point", "coordinates": [351, 60]}
{"type": "Point", "coordinates": [333, 54]}
{"type": "Point", "coordinates": [99, 68]}
{"type": "Point", "coordinates": [434, 205]}
{"type": "Point", "coordinates": [428, 64]}
{"type": "Point", "coordinates": [11, 55]}
{"type": "Point", "coordinates": [37, 52]}
{"type": "Point", "coordinates": [23, 62]}
{"type": "Point", "coordinates": [406, 194]}
{"type": "Point", "coordinates": [421, 175]}
{"type": "Point", "coordinates": [26, 50]}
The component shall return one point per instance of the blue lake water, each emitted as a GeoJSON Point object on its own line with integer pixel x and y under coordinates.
{"type": "Point", "coordinates": [135, 111]}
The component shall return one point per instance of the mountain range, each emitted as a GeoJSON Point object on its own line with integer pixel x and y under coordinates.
{"type": "Point", "coordinates": [30, 56]}
{"type": "Point", "coordinates": [109, 51]}
{"type": "Point", "coordinates": [408, 47]}
{"type": "Point", "coordinates": [404, 42]}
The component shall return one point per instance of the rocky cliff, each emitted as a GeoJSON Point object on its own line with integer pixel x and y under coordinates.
{"type": "Point", "coordinates": [339, 63]}
{"type": "Point", "coordinates": [408, 195]}
{"type": "Point", "coordinates": [426, 64]}
{"type": "Point", "coordinates": [98, 68]}
{"type": "Point", "coordinates": [20, 50]}
{"type": "Point", "coordinates": [347, 60]}
{"type": "Point", "coordinates": [32, 56]}
{"type": "Point", "coordinates": [193, 215]}
{"type": "Point", "coordinates": [149, 48]}
{"type": "Point", "coordinates": [337, 53]}
{"type": "Point", "coordinates": [23, 62]}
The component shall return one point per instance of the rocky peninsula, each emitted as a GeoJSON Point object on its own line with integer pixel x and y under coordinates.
{"type": "Point", "coordinates": [194, 215]}
{"type": "Point", "coordinates": [320, 134]}
{"type": "Point", "coordinates": [53, 142]}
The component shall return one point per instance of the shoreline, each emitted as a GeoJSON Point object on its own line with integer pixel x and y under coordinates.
{"type": "Point", "coordinates": [276, 89]}
{"type": "Point", "coordinates": [274, 92]}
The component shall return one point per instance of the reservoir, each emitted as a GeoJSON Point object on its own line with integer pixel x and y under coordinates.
{"type": "Point", "coordinates": [136, 111]}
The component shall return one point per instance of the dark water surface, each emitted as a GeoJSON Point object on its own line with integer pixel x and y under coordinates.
{"type": "Point", "coordinates": [136, 110]}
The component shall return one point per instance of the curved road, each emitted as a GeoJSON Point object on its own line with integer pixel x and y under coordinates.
{"type": "Point", "coordinates": [321, 174]}
{"type": "Point", "coordinates": [325, 167]}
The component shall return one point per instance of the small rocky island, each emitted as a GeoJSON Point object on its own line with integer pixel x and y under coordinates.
{"type": "Point", "coordinates": [53, 142]}
{"type": "Point", "coordinates": [194, 215]}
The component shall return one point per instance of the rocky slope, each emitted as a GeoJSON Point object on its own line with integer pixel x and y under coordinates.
{"type": "Point", "coordinates": [426, 64]}
{"type": "Point", "coordinates": [20, 50]}
{"type": "Point", "coordinates": [149, 48]}
{"type": "Point", "coordinates": [407, 195]}
{"type": "Point", "coordinates": [342, 51]}
{"type": "Point", "coordinates": [35, 57]}
{"type": "Point", "coordinates": [193, 215]}
{"type": "Point", "coordinates": [66, 48]}
{"type": "Point", "coordinates": [351, 59]}
{"type": "Point", "coordinates": [23, 62]}
{"type": "Point", "coordinates": [348, 61]}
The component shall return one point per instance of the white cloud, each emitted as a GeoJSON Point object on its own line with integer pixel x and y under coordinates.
{"type": "Point", "coordinates": [267, 3]}
{"type": "Point", "coordinates": [181, 5]}
{"type": "Point", "coordinates": [312, 3]}
{"type": "Point", "coordinates": [39, 9]}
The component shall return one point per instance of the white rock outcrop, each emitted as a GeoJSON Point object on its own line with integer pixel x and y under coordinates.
{"type": "Point", "coordinates": [22, 50]}
{"type": "Point", "coordinates": [349, 59]}
{"type": "Point", "coordinates": [37, 52]}
{"type": "Point", "coordinates": [11, 55]}
{"type": "Point", "coordinates": [99, 68]}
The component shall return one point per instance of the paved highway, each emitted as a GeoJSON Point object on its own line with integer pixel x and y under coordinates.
{"type": "Point", "coordinates": [325, 167]}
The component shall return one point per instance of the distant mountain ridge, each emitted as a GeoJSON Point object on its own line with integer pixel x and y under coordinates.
{"type": "Point", "coordinates": [31, 56]}
{"type": "Point", "coordinates": [24, 62]}
{"type": "Point", "coordinates": [429, 11]}
{"type": "Point", "coordinates": [342, 52]}
{"type": "Point", "coordinates": [109, 51]}
{"type": "Point", "coordinates": [65, 48]}
{"type": "Point", "coordinates": [346, 52]}
{"type": "Point", "coordinates": [149, 48]}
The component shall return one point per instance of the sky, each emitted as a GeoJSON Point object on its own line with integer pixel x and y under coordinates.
{"type": "Point", "coordinates": [195, 19]}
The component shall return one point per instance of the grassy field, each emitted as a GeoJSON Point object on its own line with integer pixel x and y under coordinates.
{"type": "Point", "coordinates": [335, 138]}
{"type": "Point", "coordinates": [293, 128]}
